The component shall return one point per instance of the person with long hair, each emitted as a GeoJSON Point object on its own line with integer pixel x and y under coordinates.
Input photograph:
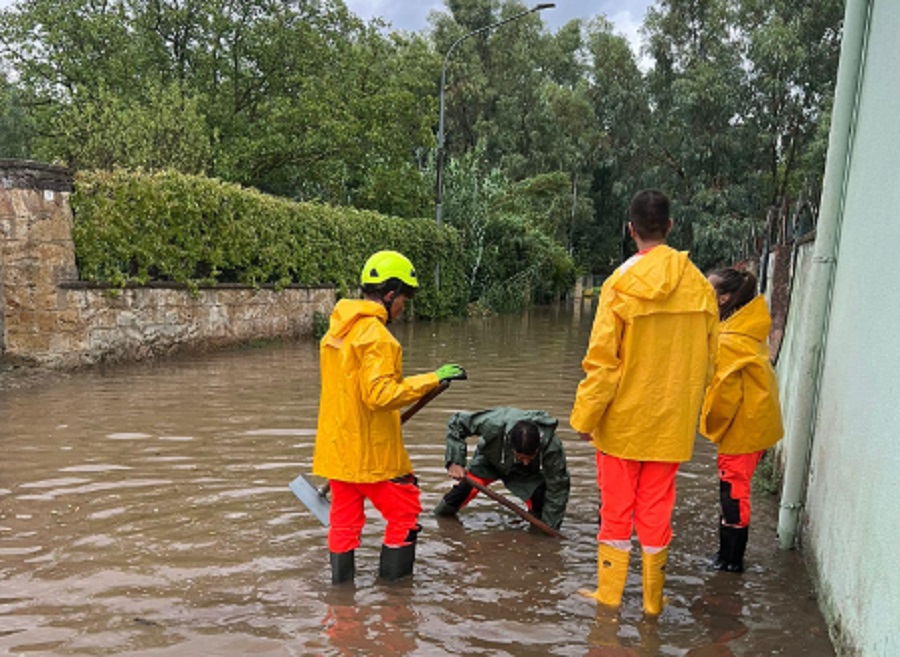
{"type": "Point", "coordinates": [741, 413]}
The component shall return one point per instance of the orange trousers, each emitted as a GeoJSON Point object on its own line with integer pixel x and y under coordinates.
{"type": "Point", "coordinates": [463, 493]}
{"type": "Point", "coordinates": [735, 478]}
{"type": "Point", "coordinates": [637, 497]}
{"type": "Point", "coordinates": [397, 501]}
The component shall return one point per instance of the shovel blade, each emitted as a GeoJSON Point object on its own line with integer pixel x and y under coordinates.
{"type": "Point", "coordinates": [311, 498]}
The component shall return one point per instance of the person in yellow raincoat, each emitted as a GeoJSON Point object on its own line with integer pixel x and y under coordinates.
{"type": "Point", "coordinates": [650, 358]}
{"type": "Point", "coordinates": [741, 412]}
{"type": "Point", "coordinates": [359, 447]}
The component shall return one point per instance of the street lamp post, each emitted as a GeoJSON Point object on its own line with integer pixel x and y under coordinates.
{"type": "Point", "coordinates": [439, 168]}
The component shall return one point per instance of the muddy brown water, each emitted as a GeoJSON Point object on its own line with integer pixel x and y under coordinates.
{"type": "Point", "coordinates": [144, 511]}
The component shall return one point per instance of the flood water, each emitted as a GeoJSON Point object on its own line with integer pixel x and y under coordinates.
{"type": "Point", "coordinates": [145, 511]}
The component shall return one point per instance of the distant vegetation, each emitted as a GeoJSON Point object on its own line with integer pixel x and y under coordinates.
{"type": "Point", "coordinates": [548, 133]}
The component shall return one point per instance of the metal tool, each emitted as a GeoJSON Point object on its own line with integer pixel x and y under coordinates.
{"type": "Point", "coordinates": [316, 499]}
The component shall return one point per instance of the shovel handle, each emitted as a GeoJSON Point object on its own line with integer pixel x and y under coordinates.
{"type": "Point", "coordinates": [423, 400]}
{"type": "Point", "coordinates": [407, 414]}
{"type": "Point", "coordinates": [515, 508]}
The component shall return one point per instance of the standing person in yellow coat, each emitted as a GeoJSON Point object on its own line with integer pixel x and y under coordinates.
{"type": "Point", "coordinates": [359, 448]}
{"type": "Point", "coordinates": [650, 357]}
{"type": "Point", "coordinates": [741, 413]}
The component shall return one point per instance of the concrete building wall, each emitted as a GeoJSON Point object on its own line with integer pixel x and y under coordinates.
{"type": "Point", "coordinates": [854, 517]}
{"type": "Point", "coordinates": [850, 516]}
{"type": "Point", "coordinates": [790, 379]}
{"type": "Point", "coordinates": [49, 317]}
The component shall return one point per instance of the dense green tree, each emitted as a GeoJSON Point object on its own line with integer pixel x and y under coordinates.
{"type": "Point", "coordinates": [299, 99]}
{"type": "Point", "coordinates": [159, 129]}
{"type": "Point", "coordinates": [792, 50]}
{"type": "Point", "coordinates": [738, 89]}
{"type": "Point", "coordinates": [621, 113]}
{"type": "Point", "coordinates": [548, 135]}
{"type": "Point", "coordinates": [15, 124]}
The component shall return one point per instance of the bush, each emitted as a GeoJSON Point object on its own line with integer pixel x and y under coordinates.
{"type": "Point", "coordinates": [138, 227]}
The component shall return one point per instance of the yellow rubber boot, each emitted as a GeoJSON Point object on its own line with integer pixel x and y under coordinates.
{"type": "Point", "coordinates": [612, 570]}
{"type": "Point", "coordinates": [653, 571]}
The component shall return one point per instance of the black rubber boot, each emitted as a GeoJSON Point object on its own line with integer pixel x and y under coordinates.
{"type": "Point", "coordinates": [396, 562]}
{"type": "Point", "coordinates": [445, 510]}
{"type": "Point", "coordinates": [456, 497]}
{"type": "Point", "coordinates": [343, 567]}
{"type": "Point", "coordinates": [732, 545]}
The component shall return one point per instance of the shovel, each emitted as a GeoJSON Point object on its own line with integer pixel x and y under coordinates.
{"type": "Point", "coordinates": [515, 508]}
{"type": "Point", "coordinates": [316, 499]}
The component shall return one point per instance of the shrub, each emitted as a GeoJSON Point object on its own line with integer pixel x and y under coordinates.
{"type": "Point", "coordinates": [139, 227]}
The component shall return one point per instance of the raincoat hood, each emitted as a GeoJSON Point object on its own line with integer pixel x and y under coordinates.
{"type": "Point", "coordinates": [752, 320]}
{"type": "Point", "coordinates": [650, 283]}
{"type": "Point", "coordinates": [741, 411]}
{"type": "Point", "coordinates": [349, 311]}
{"type": "Point", "coordinates": [654, 275]}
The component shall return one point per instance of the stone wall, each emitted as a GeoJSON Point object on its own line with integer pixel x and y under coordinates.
{"type": "Point", "coordinates": [51, 318]}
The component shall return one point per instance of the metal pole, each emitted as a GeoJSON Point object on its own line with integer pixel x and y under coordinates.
{"type": "Point", "coordinates": [439, 164]}
{"type": "Point", "coordinates": [812, 330]}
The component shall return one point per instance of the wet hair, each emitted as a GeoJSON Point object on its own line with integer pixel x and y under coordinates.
{"type": "Point", "coordinates": [389, 285]}
{"type": "Point", "coordinates": [739, 283]}
{"type": "Point", "coordinates": [525, 437]}
{"type": "Point", "coordinates": [649, 214]}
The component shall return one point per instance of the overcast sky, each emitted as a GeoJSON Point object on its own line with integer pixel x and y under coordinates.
{"type": "Point", "coordinates": [626, 15]}
{"type": "Point", "coordinates": [412, 15]}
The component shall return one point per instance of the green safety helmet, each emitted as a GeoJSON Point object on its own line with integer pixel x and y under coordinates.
{"type": "Point", "coordinates": [385, 265]}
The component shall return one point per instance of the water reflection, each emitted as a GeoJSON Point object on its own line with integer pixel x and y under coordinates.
{"type": "Point", "coordinates": [144, 510]}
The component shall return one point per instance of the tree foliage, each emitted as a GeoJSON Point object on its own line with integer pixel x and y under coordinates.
{"type": "Point", "coordinates": [168, 226]}
{"type": "Point", "coordinates": [548, 134]}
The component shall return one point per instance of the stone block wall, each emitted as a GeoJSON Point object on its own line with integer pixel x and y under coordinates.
{"type": "Point", "coordinates": [51, 318]}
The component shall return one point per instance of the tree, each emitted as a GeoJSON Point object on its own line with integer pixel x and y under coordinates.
{"type": "Point", "coordinates": [298, 99]}
{"type": "Point", "coordinates": [15, 127]}
{"type": "Point", "coordinates": [702, 149]}
{"type": "Point", "coordinates": [160, 129]}
{"type": "Point", "coordinates": [792, 49]}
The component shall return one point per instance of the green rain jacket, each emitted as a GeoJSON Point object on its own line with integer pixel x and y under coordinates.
{"type": "Point", "coordinates": [493, 457]}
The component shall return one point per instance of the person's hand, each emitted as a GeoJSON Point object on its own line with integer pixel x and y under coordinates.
{"type": "Point", "coordinates": [586, 437]}
{"type": "Point", "coordinates": [456, 471]}
{"type": "Point", "coordinates": [450, 373]}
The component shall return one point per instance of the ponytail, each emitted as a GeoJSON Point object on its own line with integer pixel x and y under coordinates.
{"type": "Point", "coordinates": [739, 283]}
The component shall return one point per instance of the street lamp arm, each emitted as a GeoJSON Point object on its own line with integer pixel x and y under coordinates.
{"type": "Point", "coordinates": [439, 163]}
{"type": "Point", "coordinates": [485, 28]}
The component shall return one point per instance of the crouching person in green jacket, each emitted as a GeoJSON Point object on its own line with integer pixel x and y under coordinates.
{"type": "Point", "coordinates": [518, 447]}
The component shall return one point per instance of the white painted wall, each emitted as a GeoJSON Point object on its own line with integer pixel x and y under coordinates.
{"type": "Point", "coordinates": [852, 514]}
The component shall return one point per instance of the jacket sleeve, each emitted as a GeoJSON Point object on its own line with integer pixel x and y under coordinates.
{"type": "Point", "coordinates": [723, 398]}
{"type": "Point", "coordinates": [712, 349]}
{"type": "Point", "coordinates": [382, 382]}
{"type": "Point", "coordinates": [459, 427]}
{"type": "Point", "coordinates": [556, 475]}
{"type": "Point", "coordinates": [602, 367]}
{"type": "Point", "coordinates": [488, 425]}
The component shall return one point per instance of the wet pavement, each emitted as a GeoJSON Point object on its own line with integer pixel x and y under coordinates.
{"type": "Point", "coordinates": [144, 511]}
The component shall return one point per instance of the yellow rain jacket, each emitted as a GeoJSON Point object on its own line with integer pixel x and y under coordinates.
{"type": "Point", "coordinates": [651, 355]}
{"type": "Point", "coordinates": [741, 412]}
{"type": "Point", "coordinates": [358, 438]}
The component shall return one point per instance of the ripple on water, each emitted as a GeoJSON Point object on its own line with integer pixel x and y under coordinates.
{"type": "Point", "coordinates": [184, 521]}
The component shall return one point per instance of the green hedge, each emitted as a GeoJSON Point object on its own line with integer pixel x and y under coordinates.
{"type": "Point", "coordinates": [136, 228]}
